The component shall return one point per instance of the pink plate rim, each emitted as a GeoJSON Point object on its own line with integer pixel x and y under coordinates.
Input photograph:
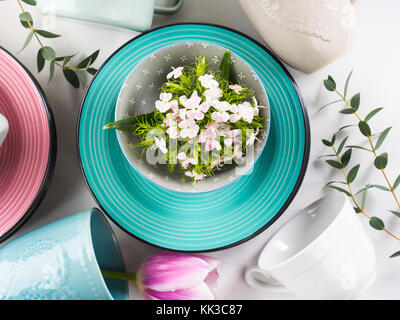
{"type": "Point", "coordinates": [41, 167]}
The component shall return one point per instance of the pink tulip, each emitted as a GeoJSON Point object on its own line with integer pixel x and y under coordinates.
{"type": "Point", "coordinates": [173, 276]}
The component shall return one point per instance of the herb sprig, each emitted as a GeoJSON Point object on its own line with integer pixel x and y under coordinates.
{"type": "Point", "coordinates": [342, 155]}
{"type": "Point", "coordinates": [47, 54]}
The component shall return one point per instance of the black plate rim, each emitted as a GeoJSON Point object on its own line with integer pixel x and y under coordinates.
{"type": "Point", "coordinates": [304, 165]}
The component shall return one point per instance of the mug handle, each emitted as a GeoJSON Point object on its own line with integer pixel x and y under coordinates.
{"type": "Point", "coordinates": [169, 10]}
{"type": "Point", "coordinates": [261, 279]}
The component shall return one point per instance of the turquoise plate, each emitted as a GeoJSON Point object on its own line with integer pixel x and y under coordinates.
{"type": "Point", "coordinates": [205, 221]}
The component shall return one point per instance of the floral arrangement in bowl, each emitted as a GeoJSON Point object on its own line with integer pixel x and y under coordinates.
{"type": "Point", "coordinates": [203, 122]}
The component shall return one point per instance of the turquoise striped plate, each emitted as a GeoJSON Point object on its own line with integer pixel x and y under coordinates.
{"type": "Point", "coordinates": [194, 222]}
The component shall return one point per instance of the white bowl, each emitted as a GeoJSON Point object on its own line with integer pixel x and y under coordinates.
{"type": "Point", "coordinates": [142, 88]}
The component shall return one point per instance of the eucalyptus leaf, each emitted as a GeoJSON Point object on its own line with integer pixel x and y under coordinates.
{"type": "Point", "coordinates": [380, 187]}
{"type": "Point", "coordinates": [40, 61]}
{"type": "Point", "coordinates": [381, 161]}
{"type": "Point", "coordinates": [47, 34]}
{"type": "Point", "coordinates": [341, 190]}
{"type": "Point", "coordinates": [48, 53]}
{"type": "Point", "coordinates": [376, 223]}
{"type": "Point", "coordinates": [341, 182]}
{"type": "Point", "coordinates": [355, 101]}
{"type": "Point", "coordinates": [334, 164]}
{"type": "Point", "coordinates": [352, 174]}
{"type": "Point", "coordinates": [91, 71]}
{"type": "Point", "coordinates": [396, 254]}
{"type": "Point", "coordinates": [89, 60]}
{"type": "Point", "coordinates": [346, 157]}
{"type": "Point", "coordinates": [358, 147]}
{"type": "Point", "coordinates": [26, 24]}
{"type": "Point", "coordinates": [30, 2]}
{"type": "Point", "coordinates": [347, 111]}
{"type": "Point", "coordinates": [25, 16]}
{"type": "Point", "coordinates": [357, 210]}
{"type": "Point", "coordinates": [364, 198]}
{"type": "Point", "coordinates": [71, 77]}
{"type": "Point", "coordinates": [346, 86]}
{"type": "Point", "coordinates": [333, 140]}
{"type": "Point", "coordinates": [330, 84]}
{"type": "Point", "coordinates": [328, 104]}
{"type": "Point", "coordinates": [342, 144]}
{"type": "Point", "coordinates": [382, 137]}
{"type": "Point", "coordinates": [364, 128]}
{"type": "Point", "coordinates": [372, 113]}
{"type": "Point", "coordinates": [52, 67]}
{"type": "Point", "coordinates": [395, 212]}
{"type": "Point", "coordinates": [346, 126]}
{"type": "Point", "coordinates": [326, 142]}
{"type": "Point", "coordinates": [396, 183]}
{"type": "Point", "coordinates": [27, 41]}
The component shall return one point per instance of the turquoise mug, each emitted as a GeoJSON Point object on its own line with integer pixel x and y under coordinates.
{"type": "Point", "coordinates": [63, 261]}
{"type": "Point", "coordinates": [131, 14]}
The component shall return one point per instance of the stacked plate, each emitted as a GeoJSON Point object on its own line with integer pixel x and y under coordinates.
{"type": "Point", "coordinates": [27, 156]}
{"type": "Point", "coordinates": [194, 221]}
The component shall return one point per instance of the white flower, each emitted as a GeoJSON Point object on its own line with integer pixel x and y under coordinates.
{"type": "Point", "coordinates": [188, 162]}
{"type": "Point", "coordinates": [189, 128]}
{"type": "Point", "coordinates": [195, 175]}
{"type": "Point", "coordinates": [234, 116]}
{"type": "Point", "coordinates": [208, 81]}
{"type": "Point", "coordinates": [163, 104]}
{"type": "Point", "coordinates": [220, 116]}
{"type": "Point", "coordinates": [161, 144]}
{"type": "Point", "coordinates": [173, 132]}
{"type": "Point", "coordinates": [195, 110]}
{"type": "Point", "coordinates": [221, 105]}
{"type": "Point", "coordinates": [246, 111]}
{"type": "Point", "coordinates": [235, 87]}
{"type": "Point", "coordinates": [176, 73]}
{"type": "Point", "coordinates": [213, 94]}
{"type": "Point", "coordinates": [250, 141]}
{"type": "Point", "coordinates": [181, 156]}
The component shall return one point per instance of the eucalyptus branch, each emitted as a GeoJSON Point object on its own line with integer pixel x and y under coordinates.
{"type": "Point", "coordinates": [47, 53]}
{"type": "Point", "coordinates": [380, 160]}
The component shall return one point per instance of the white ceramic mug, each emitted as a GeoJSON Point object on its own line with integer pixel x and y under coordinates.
{"type": "Point", "coordinates": [3, 128]}
{"type": "Point", "coordinates": [321, 253]}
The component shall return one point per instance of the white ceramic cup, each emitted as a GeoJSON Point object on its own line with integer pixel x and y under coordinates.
{"type": "Point", "coordinates": [3, 128]}
{"type": "Point", "coordinates": [321, 253]}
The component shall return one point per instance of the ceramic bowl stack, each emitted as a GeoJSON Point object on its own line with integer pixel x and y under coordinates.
{"type": "Point", "coordinates": [157, 208]}
{"type": "Point", "coordinates": [27, 155]}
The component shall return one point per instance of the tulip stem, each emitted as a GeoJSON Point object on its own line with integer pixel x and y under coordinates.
{"type": "Point", "coordinates": [119, 275]}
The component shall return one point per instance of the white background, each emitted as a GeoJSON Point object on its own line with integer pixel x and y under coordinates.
{"type": "Point", "coordinates": [376, 64]}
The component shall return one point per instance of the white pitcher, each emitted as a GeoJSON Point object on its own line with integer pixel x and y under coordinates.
{"type": "Point", "coordinates": [306, 34]}
{"type": "Point", "coordinates": [3, 128]}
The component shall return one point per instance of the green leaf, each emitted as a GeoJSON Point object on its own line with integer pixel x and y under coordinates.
{"type": "Point", "coordinates": [355, 101]}
{"type": "Point", "coordinates": [129, 124]}
{"type": "Point", "coordinates": [346, 158]}
{"type": "Point", "coordinates": [395, 212]}
{"type": "Point", "coordinates": [52, 67]}
{"type": "Point", "coordinates": [376, 223]}
{"type": "Point", "coordinates": [334, 164]}
{"type": "Point", "coordinates": [47, 34]}
{"type": "Point", "coordinates": [382, 137]}
{"type": "Point", "coordinates": [396, 254]}
{"type": "Point", "coordinates": [71, 77]}
{"type": "Point", "coordinates": [330, 84]}
{"type": "Point", "coordinates": [346, 86]}
{"type": "Point", "coordinates": [346, 126]}
{"type": "Point", "coordinates": [328, 104]}
{"type": "Point", "coordinates": [357, 210]}
{"type": "Point", "coordinates": [364, 198]}
{"type": "Point", "coordinates": [396, 183]}
{"type": "Point", "coordinates": [225, 64]}
{"type": "Point", "coordinates": [30, 2]}
{"type": "Point", "coordinates": [92, 71]}
{"type": "Point", "coordinates": [26, 24]}
{"type": "Point", "coordinates": [381, 161]}
{"type": "Point", "coordinates": [352, 174]}
{"type": "Point", "coordinates": [25, 16]}
{"type": "Point", "coordinates": [341, 182]}
{"type": "Point", "coordinates": [364, 128]}
{"type": "Point", "coordinates": [341, 190]}
{"type": "Point", "coordinates": [347, 111]}
{"type": "Point", "coordinates": [327, 143]}
{"type": "Point", "coordinates": [27, 41]}
{"type": "Point", "coordinates": [380, 187]}
{"type": "Point", "coordinates": [358, 147]}
{"type": "Point", "coordinates": [48, 53]}
{"type": "Point", "coordinates": [89, 60]}
{"type": "Point", "coordinates": [372, 113]}
{"type": "Point", "coordinates": [333, 139]}
{"type": "Point", "coordinates": [40, 60]}
{"type": "Point", "coordinates": [342, 144]}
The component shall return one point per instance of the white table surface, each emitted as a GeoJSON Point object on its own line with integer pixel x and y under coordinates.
{"type": "Point", "coordinates": [376, 64]}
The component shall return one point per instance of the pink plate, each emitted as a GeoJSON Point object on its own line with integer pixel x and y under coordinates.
{"type": "Point", "coordinates": [27, 156]}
